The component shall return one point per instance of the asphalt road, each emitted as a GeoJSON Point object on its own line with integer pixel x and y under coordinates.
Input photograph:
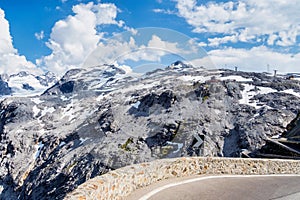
{"type": "Point", "coordinates": [223, 188]}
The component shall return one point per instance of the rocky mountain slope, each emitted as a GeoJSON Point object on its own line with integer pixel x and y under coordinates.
{"type": "Point", "coordinates": [98, 119]}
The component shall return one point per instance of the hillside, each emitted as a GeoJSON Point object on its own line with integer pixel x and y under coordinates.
{"type": "Point", "coordinates": [99, 119]}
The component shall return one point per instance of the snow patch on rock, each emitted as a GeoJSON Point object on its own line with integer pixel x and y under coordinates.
{"type": "Point", "coordinates": [291, 91]}
{"type": "Point", "coordinates": [250, 91]}
{"type": "Point", "coordinates": [36, 100]}
{"type": "Point", "coordinates": [237, 78]}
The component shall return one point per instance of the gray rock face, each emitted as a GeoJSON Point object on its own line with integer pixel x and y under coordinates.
{"type": "Point", "coordinates": [293, 129]}
{"type": "Point", "coordinates": [4, 89]}
{"type": "Point", "coordinates": [99, 119]}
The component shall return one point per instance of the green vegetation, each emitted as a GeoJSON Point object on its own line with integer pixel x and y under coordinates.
{"type": "Point", "coordinates": [125, 145]}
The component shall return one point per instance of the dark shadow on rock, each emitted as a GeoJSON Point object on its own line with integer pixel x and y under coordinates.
{"type": "Point", "coordinates": [164, 100]}
{"type": "Point", "coordinates": [4, 88]}
{"type": "Point", "coordinates": [161, 138]}
{"type": "Point", "coordinates": [231, 148]}
{"type": "Point", "coordinates": [67, 87]}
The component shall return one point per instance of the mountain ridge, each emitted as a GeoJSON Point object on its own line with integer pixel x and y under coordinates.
{"type": "Point", "coordinates": [25, 84]}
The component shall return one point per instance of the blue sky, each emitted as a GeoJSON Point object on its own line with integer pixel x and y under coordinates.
{"type": "Point", "coordinates": [58, 35]}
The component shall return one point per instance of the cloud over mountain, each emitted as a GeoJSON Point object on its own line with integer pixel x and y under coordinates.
{"type": "Point", "coordinates": [72, 39]}
{"type": "Point", "coordinates": [274, 21]}
{"type": "Point", "coordinates": [250, 34]}
{"type": "Point", "coordinates": [259, 59]}
{"type": "Point", "coordinates": [10, 60]}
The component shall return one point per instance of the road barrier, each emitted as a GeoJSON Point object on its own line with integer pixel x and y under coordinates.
{"type": "Point", "coordinates": [120, 183]}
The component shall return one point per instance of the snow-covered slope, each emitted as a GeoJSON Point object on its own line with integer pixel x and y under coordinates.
{"type": "Point", "coordinates": [101, 79]}
{"type": "Point", "coordinates": [26, 84]}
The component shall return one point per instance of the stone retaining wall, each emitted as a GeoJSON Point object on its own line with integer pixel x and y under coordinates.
{"type": "Point", "coordinates": [121, 182]}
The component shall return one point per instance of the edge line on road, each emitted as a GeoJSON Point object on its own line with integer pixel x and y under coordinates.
{"type": "Point", "coordinates": [157, 190]}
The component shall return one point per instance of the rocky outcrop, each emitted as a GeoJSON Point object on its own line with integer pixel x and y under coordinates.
{"type": "Point", "coordinates": [287, 146]}
{"type": "Point", "coordinates": [103, 118]}
{"type": "Point", "coordinates": [4, 89]}
{"type": "Point", "coordinates": [293, 129]}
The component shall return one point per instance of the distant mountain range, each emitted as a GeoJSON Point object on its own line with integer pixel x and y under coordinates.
{"type": "Point", "coordinates": [25, 84]}
{"type": "Point", "coordinates": [98, 119]}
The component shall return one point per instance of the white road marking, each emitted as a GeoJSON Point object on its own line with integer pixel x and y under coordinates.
{"type": "Point", "coordinates": [199, 141]}
{"type": "Point", "coordinates": [152, 193]}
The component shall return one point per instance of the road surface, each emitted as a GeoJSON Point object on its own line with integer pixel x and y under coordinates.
{"type": "Point", "coordinates": [279, 187]}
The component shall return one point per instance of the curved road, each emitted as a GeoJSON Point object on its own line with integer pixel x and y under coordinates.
{"type": "Point", "coordinates": [279, 187]}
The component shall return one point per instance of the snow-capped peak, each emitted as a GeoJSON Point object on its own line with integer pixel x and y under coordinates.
{"type": "Point", "coordinates": [179, 65]}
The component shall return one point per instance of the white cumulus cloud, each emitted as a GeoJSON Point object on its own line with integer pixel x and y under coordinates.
{"type": "Point", "coordinates": [5, 38]}
{"type": "Point", "coordinates": [10, 61]}
{"type": "Point", "coordinates": [74, 38]}
{"type": "Point", "coordinates": [263, 26]}
{"type": "Point", "coordinates": [244, 20]}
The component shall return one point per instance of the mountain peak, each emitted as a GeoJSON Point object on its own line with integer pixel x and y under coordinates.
{"type": "Point", "coordinates": [180, 65]}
